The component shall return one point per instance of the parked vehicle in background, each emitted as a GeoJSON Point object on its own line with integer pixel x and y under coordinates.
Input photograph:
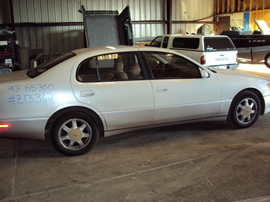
{"type": "Point", "coordinates": [252, 46]}
{"type": "Point", "coordinates": [210, 51]}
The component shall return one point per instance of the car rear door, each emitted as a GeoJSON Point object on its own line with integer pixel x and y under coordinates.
{"type": "Point", "coordinates": [114, 85]}
{"type": "Point", "coordinates": [180, 93]}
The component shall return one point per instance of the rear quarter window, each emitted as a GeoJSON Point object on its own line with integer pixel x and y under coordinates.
{"type": "Point", "coordinates": [190, 43]}
{"type": "Point", "coordinates": [218, 44]}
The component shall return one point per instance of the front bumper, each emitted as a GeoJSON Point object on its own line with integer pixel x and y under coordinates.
{"type": "Point", "coordinates": [267, 104]}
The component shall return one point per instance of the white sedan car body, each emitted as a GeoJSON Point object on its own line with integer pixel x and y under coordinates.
{"type": "Point", "coordinates": [87, 93]}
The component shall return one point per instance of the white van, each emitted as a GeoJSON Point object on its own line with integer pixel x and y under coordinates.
{"type": "Point", "coordinates": [210, 51]}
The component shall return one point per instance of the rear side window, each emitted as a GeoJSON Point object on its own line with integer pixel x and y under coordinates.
{"type": "Point", "coordinates": [191, 43]}
{"type": "Point", "coordinates": [110, 67]}
{"type": "Point", "coordinates": [218, 44]}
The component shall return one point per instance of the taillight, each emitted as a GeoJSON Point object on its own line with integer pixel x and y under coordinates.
{"type": "Point", "coordinates": [5, 125]}
{"type": "Point", "coordinates": [236, 57]}
{"type": "Point", "coordinates": [203, 60]}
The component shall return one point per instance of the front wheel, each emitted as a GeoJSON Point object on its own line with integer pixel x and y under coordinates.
{"type": "Point", "coordinates": [267, 60]}
{"type": "Point", "coordinates": [74, 134]}
{"type": "Point", "coordinates": [245, 110]}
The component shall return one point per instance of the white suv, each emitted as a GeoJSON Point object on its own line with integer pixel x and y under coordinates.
{"type": "Point", "coordinates": [216, 51]}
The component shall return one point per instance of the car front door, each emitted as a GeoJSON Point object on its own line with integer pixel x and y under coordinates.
{"type": "Point", "coordinates": [114, 86]}
{"type": "Point", "coordinates": [180, 92]}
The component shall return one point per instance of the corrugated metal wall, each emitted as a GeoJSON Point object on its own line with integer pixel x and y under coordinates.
{"type": "Point", "coordinates": [191, 10]}
{"type": "Point", "coordinates": [65, 38]}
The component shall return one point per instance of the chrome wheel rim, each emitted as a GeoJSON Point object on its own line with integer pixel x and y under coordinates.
{"type": "Point", "coordinates": [75, 134]}
{"type": "Point", "coordinates": [268, 60]}
{"type": "Point", "coordinates": [246, 111]}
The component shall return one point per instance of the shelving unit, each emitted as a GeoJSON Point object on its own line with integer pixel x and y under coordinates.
{"type": "Point", "coordinates": [7, 51]}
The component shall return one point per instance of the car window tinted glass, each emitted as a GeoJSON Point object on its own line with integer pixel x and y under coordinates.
{"type": "Point", "coordinates": [191, 43]}
{"type": "Point", "coordinates": [165, 42]}
{"type": "Point", "coordinates": [49, 64]}
{"type": "Point", "coordinates": [88, 70]}
{"type": "Point", "coordinates": [170, 66]}
{"type": "Point", "coordinates": [218, 44]}
{"type": "Point", "coordinates": [156, 42]}
{"type": "Point", "coordinates": [110, 67]}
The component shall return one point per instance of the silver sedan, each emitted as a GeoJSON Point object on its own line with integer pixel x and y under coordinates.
{"type": "Point", "coordinates": [84, 94]}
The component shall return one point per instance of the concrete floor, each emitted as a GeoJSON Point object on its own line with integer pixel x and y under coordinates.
{"type": "Point", "coordinates": [208, 161]}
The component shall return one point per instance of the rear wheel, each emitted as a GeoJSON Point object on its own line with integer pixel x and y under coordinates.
{"type": "Point", "coordinates": [245, 110]}
{"type": "Point", "coordinates": [267, 60]}
{"type": "Point", "coordinates": [74, 134]}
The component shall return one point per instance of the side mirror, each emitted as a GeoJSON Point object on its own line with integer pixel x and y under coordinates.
{"type": "Point", "coordinates": [205, 74]}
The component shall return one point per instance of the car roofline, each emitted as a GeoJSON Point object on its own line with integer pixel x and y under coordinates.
{"type": "Point", "coordinates": [191, 36]}
{"type": "Point", "coordinates": [118, 48]}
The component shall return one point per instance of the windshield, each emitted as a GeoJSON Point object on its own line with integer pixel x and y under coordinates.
{"type": "Point", "coordinates": [49, 64]}
{"type": "Point", "coordinates": [236, 25]}
{"type": "Point", "coordinates": [263, 27]}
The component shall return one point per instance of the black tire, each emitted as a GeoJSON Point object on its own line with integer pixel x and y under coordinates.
{"type": "Point", "coordinates": [267, 60]}
{"type": "Point", "coordinates": [245, 110]}
{"type": "Point", "coordinates": [74, 134]}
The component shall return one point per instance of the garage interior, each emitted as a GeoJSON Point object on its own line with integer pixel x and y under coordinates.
{"type": "Point", "coordinates": [208, 161]}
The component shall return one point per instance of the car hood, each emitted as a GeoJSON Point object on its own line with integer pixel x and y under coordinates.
{"type": "Point", "coordinates": [14, 76]}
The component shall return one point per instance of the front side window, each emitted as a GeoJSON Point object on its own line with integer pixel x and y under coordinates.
{"type": "Point", "coordinates": [156, 42]}
{"type": "Point", "coordinates": [110, 67]}
{"type": "Point", "coordinates": [170, 66]}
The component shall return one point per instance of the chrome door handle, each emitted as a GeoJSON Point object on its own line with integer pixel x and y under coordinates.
{"type": "Point", "coordinates": [87, 93]}
{"type": "Point", "coordinates": [161, 90]}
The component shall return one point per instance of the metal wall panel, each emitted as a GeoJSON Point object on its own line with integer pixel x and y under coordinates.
{"type": "Point", "coordinates": [67, 10]}
{"type": "Point", "coordinates": [191, 10]}
{"type": "Point", "coordinates": [65, 38]}
{"type": "Point", "coordinates": [51, 39]}
{"type": "Point", "coordinates": [142, 31]}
